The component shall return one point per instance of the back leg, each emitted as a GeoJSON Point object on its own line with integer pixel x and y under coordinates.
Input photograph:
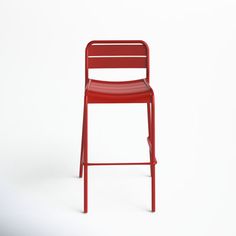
{"type": "Point", "coordinates": [82, 149]}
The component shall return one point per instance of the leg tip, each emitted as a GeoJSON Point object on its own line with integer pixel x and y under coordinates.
{"type": "Point", "coordinates": [78, 176]}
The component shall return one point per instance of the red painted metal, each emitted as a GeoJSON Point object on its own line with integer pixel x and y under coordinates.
{"type": "Point", "coordinates": [153, 158]}
{"type": "Point", "coordinates": [119, 163]}
{"type": "Point", "coordinates": [82, 149]}
{"type": "Point", "coordinates": [85, 160]}
{"type": "Point", "coordinates": [117, 54]}
{"type": "Point", "coordinates": [136, 91]}
{"type": "Point", "coordinates": [117, 62]}
{"type": "Point", "coordinates": [114, 50]}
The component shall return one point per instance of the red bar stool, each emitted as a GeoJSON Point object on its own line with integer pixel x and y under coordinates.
{"type": "Point", "coordinates": [117, 54]}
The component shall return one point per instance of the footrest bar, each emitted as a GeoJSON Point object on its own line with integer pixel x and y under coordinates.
{"type": "Point", "coordinates": [118, 164]}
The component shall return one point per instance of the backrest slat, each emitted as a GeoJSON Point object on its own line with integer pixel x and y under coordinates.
{"type": "Point", "coordinates": [117, 62]}
{"type": "Point", "coordinates": [117, 50]}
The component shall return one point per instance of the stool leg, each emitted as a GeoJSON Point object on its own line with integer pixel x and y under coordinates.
{"type": "Point", "coordinates": [82, 150]}
{"type": "Point", "coordinates": [149, 131]}
{"type": "Point", "coordinates": [86, 157]}
{"type": "Point", "coordinates": [153, 161]}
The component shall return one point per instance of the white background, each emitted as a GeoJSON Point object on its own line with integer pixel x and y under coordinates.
{"type": "Point", "coordinates": [193, 57]}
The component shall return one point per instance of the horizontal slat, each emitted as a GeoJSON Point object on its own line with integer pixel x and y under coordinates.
{"type": "Point", "coordinates": [117, 62]}
{"type": "Point", "coordinates": [117, 50]}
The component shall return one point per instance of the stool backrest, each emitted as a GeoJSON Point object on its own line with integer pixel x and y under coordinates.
{"type": "Point", "coordinates": [102, 54]}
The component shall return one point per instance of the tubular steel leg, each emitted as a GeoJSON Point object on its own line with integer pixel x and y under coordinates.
{"type": "Point", "coordinates": [153, 158]}
{"type": "Point", "coordinates": [149, 117]}
{"type": "Point", "coordinates": [82, 150]}
{"type": "Point", "coordinates": [85, 156]}
{"type": "Point", "coordinates": [149, 130]}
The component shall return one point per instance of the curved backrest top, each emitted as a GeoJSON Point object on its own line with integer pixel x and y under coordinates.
{"type": "Point", "coordinates": [117, 54]}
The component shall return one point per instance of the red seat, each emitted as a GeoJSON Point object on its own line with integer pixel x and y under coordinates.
{"type": "Point", "coordinates": [117, 54]}
{"type": "Point", "coordinates": [118, 92]}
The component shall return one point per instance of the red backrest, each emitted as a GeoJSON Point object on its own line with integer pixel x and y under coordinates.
{"type": "Point", "coordinates": [117, 54]}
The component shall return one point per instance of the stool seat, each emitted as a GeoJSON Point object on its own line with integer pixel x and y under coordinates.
{"type": "Point", "coordinates": [99, 91]}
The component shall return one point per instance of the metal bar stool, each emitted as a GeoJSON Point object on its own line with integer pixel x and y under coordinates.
{"type": "Point", "coordinates": [117, 54]}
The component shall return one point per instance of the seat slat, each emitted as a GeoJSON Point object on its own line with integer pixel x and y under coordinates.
{"type": "Point", "coordinates": [117, 50]}
{"type": "Point", "coordinates": [117, 62]}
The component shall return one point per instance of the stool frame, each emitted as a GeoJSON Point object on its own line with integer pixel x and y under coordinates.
{"type": "Point", "coordinates": [90, 62]}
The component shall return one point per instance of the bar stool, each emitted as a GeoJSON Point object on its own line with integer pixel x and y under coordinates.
{"type": "Point", "coordinates": [117, 54]}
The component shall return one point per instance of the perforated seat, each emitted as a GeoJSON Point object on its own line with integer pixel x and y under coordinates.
{"type": "Point", "coordinates": [122, 91]}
